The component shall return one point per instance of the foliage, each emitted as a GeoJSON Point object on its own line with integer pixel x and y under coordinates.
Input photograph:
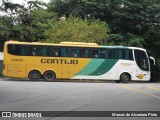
{"type": "Point", "coordinates": [77, 29]}
{"type": "Point", "coordinates": [41, 20]}
{"type": "Point", "coordinates": [24, 23]}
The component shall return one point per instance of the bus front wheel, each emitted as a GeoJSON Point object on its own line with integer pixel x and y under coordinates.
{"type": "Point", "coordinates": [125, 78]}
{"type": "Point", "coordinates": [34, 75]}
{"type": "Point", "coordinates": [49, 76]}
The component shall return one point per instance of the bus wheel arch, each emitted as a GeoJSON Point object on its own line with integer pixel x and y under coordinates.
{"type": "Point", "coordinates": [49, 75]}
{"type": "Point", "coordinates": [125, 77]}
{"type": "Point", "coordinates": [34, 75]}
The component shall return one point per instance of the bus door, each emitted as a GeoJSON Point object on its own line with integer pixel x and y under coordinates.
{"type": "Point", "coordinates": [12, 70]}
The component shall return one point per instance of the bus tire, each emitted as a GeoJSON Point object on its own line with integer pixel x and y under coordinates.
{"type": "Point", "coordinates": [125, 78]}
{"type": "Point", "coordinates": [34, 75]}
{"type": "Point", "coordinates": [49, 76]}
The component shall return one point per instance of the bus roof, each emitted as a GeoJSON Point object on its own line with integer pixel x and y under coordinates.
{"type": "Point", "coordinates": [74, 44]}
{"type": "Point", "coordinates": [78, 43]}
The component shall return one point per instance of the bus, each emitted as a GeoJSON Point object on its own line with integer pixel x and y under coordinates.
{"type": "Point", "coordinates": [75, 60]}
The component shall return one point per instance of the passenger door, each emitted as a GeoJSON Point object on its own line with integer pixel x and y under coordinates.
{"type": "Point", "coordinates": [12, 71]}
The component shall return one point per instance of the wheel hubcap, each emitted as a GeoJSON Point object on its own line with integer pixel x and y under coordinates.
{"type": "Point", "coordinates": [34, 75]}
{"type": "Point", "coordinates": [49, 75]}
{"type": "Point", "coordinates": [126, 78]}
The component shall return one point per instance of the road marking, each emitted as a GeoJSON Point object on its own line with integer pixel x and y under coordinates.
{"type": "Point", "coordinates": [140, 91]}
{"type": "Point", "coordinates": [153, 87]}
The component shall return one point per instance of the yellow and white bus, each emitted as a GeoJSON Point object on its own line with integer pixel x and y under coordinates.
{"type": "Point", "coordinates": [75, 60]}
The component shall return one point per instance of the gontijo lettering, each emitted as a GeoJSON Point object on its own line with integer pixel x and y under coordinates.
{"type": "Point", "coordinates": [58, 61]}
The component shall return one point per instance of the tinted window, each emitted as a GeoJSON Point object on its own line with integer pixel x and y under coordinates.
{"type": "Point", "coordinates": [93, 53]}
{"type": "Point", "coordinates": [112, 53]}
{"type": "Point", "coordinates": [81, 52]}
{"type": "Point", "coordinates": [26, 50]}
{"type": "Point", "coordinates": [125, 54]}
{"type": "Point", "coordinates": [38, 51]}
{"type": "Point", "coordinates": [73, 52]}
{"type": "Point", "coordinates": [55, 52]}
{"type": "Point", "coordinates": [14, 49]}
{"type": "Point", "coordinates": [102, 53]}
{"type": "Point", "coordinates": [63, 52]}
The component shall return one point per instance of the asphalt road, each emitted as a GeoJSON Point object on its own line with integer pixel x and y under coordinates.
{"type": "Point", "coordinates": [25, 95]}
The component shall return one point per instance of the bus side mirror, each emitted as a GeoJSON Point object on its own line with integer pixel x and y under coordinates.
{"type": "Point", "coordinates": [152, 58]}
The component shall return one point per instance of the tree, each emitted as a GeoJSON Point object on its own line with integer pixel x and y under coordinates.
{"type": "Point", "coordinates": [77, 29]}
{"type": "Point", "coordinates": [80, 8]}
{"type": "Point", "coordinates": [24, 23]}
{"type": "Point", "coordinates": [131, 22]}
{"type": "Point", "coordinates": [5, 29]}
{"type": "Point", "coordinates": [122, 16]}
{"type": "Point", "coordinates": [41, 20]}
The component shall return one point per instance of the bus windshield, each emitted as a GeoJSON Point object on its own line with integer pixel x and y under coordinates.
{"type": "Point", "coordinates": [141, 59]}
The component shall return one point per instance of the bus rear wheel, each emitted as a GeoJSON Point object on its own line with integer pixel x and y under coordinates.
{"type": "Point", "coordinates": [34, 75]}
{"type": "Point", "coordinates": [49, 76]}
{"type": "Point", "coordinates": [125, 78]}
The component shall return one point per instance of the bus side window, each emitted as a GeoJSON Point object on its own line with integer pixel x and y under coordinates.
{"type": "Point", "coordinates": [82, 53]}
{"type": "Point", "coordinates": [122, 54]}
{"type": "Point", "coordinates": [119, 53]}
{"type": "Point", "coordinates": [64, 51]}
{"type": "Point", "coordinates": [90, 53]}
{"type": "Point", "coordinates": [74, 52]}
{"type": "Point", "coordinates": [55, 52]}
{"type": "Point", "coordinates": [93, 53]}
{"type": "Point", "coordinates": [107, 53]}
{"type": "Point", "coordinates": [26, 50]}
{"type": "Point", "coordinates": [125, 54]}
{"type": "Point", "coordinates": [85, 53]}
{"type": "Point", "coordinates": [112, 53]}
{"type": "Point", "coordinates": [48, 51]}
{"type": "Point", "coordinates": [14, 49]}
{"type": "Point", "coordinates": [37, 51]}
{"type": "Point", "coordinates": [102, 53]}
